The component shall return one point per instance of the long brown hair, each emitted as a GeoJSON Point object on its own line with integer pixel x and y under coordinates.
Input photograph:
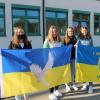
{"type": "Point", "coordinates": [67, 38]}
{"type": "Point", "coordinates": [50, 37]}
{"type": "Point", "coordinates": [15, 39]}
{"type": "Point", "coordinates": [88, 35]}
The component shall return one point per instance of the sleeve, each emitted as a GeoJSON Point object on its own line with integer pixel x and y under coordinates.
{"type": "Point", "coordinates": [62, 44]}
{"type": "Point", "coordinates": [91, 42]}
{"type": "Point", "coordinates": [78, 42]}
{"type": "Point", "coordinates": [74, 40]}
{"type": "Point", "coordinates": [10, 45]}
{"type": "Point", "coordinates": [30, 46]}
{"type": "Point", "coordinates": [46, 44]}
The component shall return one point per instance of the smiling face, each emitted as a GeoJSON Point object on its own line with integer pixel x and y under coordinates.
{"type": "Point", "coordinates": [54, 32]}
{"type": "Point", "coordinates": [19, 31]}
{"type": "Point", "coordinates": [70, 32]}
{"type": "Point", "coordinates": [84, 31]}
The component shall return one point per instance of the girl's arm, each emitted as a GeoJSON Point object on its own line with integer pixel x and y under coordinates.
{"type": "Point", "coordinates": [91, 42]}
{"type": "Point", "coordinates": [46, 44]}
{"type": "Point", "coordinates": [10, 45]}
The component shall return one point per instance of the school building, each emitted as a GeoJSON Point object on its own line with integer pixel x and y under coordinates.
{"type": "Point", "coordinates": [36, 16]}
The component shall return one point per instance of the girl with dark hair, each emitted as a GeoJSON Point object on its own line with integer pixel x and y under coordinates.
{"type": "Point", "coordinates": [86, 39]}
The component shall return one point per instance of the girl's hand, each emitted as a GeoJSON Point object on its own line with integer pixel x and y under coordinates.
{"type": "Point", "coordinates": [75, 45]}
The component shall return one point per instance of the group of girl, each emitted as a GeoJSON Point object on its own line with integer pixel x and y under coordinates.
{"type": "Point", "coordinates": [20, 41]}
{"type": "Point", "coordinates": [53, 39]}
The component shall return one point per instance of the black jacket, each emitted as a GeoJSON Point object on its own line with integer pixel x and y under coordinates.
{"type": "Point", "coordinates": [73, 42]}
{"type": "Point", "coordinates": [13, 46]}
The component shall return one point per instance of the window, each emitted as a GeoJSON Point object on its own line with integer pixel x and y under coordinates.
{"type": "Point", "coordinates": [58, 18]}
{"type": "Point", "coordinates": [2, 21]}
{"type": "Point", "coordinates": [28, 18]}
{"type": "Point", "coordinates": [97, 24]}
{"type": "Point", "coordinates": [80, 20]}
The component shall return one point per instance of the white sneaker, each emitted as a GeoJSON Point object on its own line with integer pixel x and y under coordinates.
{"type": "Point", "coordinates": [84, 87]}
{"type": "Point", "coordinates": [53, 97]}
{"type": "Point", "coordinates": [74, 87]}
{"type": "Point", "coordinates": [90, 91]}
{"type": "Point", "coordinates": [57, 93]}
{"type": "Point", "coordinates": [67, 88]}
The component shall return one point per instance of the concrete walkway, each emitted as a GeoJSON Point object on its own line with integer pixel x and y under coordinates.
{"type": "Point", "coordinates": [79, 95]}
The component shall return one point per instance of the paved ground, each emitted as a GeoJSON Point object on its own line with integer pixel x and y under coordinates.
{"type": "Point", "coordinates": [79, 95]}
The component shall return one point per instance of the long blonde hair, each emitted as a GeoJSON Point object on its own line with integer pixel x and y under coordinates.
{"type": "Point", "coordinates": [50, 37]}
{"type": "Point", "coordinates": [15, 39]}
{"type": "Point", "coordinates": [67, 38]}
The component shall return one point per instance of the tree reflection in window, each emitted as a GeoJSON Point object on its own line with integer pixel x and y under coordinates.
{"type": "Point", "coordinates": [58, 18]}
{"type": "Point", "coordinates": [29, 19]}
{"type": "Point", "coordinates": [80, 20]}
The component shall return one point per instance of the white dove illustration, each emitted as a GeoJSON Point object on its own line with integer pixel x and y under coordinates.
{"type": "Point", "coordinates": [39, 72]}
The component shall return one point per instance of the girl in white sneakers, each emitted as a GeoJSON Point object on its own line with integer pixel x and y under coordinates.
{"type": "Point", "coordinates": [53, 40]}
{"type": "Point", "coordinates": [85, 39]}
{"type": "Point", "coordinates": [70, 39]}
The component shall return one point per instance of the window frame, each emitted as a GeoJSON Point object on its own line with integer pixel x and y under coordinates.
{"type": "Point", "coordinates": [26, 8]}
{"type": "Point", "coordinates": [97, 14]}
{"type": "Point", "coordinates": [81, 13]}
{"type": "Point", "coordinates": [2, 6]}
{"type": "Point", "coordinates": [56, 11]}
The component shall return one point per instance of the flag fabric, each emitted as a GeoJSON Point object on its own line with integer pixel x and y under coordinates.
{"type": "Point", "coordinates": [0, 73]}
{"type": "Point", "coordinates": [87, 64]}
{"type": "Point", "coordinates": [34, 70]}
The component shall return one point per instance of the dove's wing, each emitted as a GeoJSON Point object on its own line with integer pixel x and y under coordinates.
{"type": "Point", "coordinates": [35, 69]}
{"type": "Point", "coordinates": [49, 63]}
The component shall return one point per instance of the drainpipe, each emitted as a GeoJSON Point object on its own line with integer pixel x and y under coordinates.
{"type": "Point", "coordinates": [43, 19]}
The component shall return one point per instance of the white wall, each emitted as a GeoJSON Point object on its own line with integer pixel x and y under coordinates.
{"type": "Point", "coordinates": [82, 5]}
{"type": "Point", "coordinates": [37, 41]}
{"type": "Point", "coordinates": [92, 6]}
{"type": "Point", "coordinates": [88, 5]}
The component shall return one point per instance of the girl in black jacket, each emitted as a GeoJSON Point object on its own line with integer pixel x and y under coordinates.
{"type": "Point", "coordinates": [70, 39]}
{"type": "Point", "coordinates": [19, 41]}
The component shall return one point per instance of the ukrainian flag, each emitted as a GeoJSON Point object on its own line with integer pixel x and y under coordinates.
{"type": "Point", "coordinates": [88, 64]}
{"type": "Point", "coordinates": [28, 71]}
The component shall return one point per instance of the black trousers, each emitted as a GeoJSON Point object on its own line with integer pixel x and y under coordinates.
{"type": "Point", "coordinates": [52, 89]}
{"type": "Point", "coordinates": [90, 83]}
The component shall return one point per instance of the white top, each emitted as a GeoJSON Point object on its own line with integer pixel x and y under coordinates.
{"type": "Point", "coordinates": [55, 44]}
{"type": "Point", "coordinates": [22, 45]}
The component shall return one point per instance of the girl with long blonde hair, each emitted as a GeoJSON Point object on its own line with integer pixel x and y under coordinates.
{"type": "Point", "coordinates": [19, 38]}
{"type": "Point", "coordinates": [53, 40]}
{"type": "Point", "coordinates": [20, 41]}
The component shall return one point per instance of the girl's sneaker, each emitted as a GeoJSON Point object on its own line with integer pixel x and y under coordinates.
{"type": "Point", "coordinates": [90, 90]}
{"type": "Point", "coordinates": [67, 88]}
{"type": "Point", "coordinates": [52, 96]}
{"type": "Point", "coordinates": [57, 93]}
{"type": "Point", "coordinates": [74, 87]}
{"type": "Point", "coordinates": [84, 87]}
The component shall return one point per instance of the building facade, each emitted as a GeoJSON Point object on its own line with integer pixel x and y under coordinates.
{"type": "Point", "coordinates": [62, 13]}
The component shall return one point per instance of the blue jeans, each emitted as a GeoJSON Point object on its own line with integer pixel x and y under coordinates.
{"type": "Point", "coordinates": [73, 70]}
